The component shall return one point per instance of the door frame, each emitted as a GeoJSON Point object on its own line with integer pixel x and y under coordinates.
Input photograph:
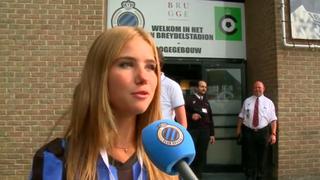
{"type": "Point", "coordinates": [209, 64]}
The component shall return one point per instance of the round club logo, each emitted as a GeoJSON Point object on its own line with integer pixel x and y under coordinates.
{"type": "Point", "coordinates": [170, 135]}
{"type": "Point", "coordinates": [228, 24]}
{"type": "Point", "coordinates": [127, 15]}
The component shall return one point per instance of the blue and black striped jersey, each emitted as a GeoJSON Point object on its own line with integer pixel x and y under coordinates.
{"type": "Point", "coordinates": [49, 164]}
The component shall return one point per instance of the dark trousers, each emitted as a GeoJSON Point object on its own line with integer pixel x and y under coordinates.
{"type": "Point", "coordinates": [255, 147]}
{"type": "Point", "coordinates": [201, 138]}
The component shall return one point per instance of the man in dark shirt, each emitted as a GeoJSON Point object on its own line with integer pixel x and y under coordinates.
{"type": "Point", "coordinates": [200, 125]}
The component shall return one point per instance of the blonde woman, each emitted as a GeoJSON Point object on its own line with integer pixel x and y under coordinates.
{"type": "Point", "coordinates": [118, 95]}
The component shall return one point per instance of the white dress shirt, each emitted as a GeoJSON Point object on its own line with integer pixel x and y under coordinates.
{"type": "Point", "coordinates": [266, 114]}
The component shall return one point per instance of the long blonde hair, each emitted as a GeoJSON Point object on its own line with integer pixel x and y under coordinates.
{"type": "Point", "coordinates": [92, 125]}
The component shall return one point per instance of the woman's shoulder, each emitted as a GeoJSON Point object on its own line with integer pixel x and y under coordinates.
{"type": "Point", "coordinates": [56, 147]}
{"type": "Point", "coordinates": [49, 160]}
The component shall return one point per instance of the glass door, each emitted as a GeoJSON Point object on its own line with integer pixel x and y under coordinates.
{"type": "Point", "coordinates": [226, 88]}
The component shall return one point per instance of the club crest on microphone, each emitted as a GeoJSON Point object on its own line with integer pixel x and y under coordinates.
{"type": "Point", "coordinates": [170, 135]}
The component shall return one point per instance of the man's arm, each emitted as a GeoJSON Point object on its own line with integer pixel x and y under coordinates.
{"type": "Point", "coordinates": [240, 120]}
{"type": "Point", "coordinates": [273, 135]}
{"type": "Point", "coordinates": [239, 124]}
{"type": "Point", "coordinates": [211, 126]}
{"type": "Point", "coordinates": [181, 116]}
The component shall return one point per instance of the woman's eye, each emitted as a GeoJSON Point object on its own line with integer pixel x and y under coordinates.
{"type": "Point", "coordinates": [125, 64]}
{"type": "Point", "coordinates": [151, 66]}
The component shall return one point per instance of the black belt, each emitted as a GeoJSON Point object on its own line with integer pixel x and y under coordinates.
{"type": "Point", "coordinates": [254, 130]}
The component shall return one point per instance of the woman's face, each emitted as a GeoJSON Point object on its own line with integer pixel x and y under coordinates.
{"type": "Point", "coordinates": [132, 78]}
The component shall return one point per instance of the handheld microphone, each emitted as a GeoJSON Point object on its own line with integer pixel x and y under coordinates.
{"type": "Point", "coordinates": [170, 147]}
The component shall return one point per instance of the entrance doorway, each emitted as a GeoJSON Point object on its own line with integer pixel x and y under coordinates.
{"type": "Point", "coordinates": [226, 90]}
{"type": "Point", "coordinates": [185, 74]}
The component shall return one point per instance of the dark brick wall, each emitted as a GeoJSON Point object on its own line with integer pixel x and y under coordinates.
{"type": "Point", "coordinates": [292, 77]}
{"type": "Point", "coordinates": [43, 44]}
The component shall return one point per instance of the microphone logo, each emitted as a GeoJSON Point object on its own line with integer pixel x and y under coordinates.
{"type": "Point", "coordinates": [170, 135]}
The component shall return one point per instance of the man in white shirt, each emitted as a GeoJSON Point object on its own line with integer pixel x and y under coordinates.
{"type": "Point", "coordinates": [172, 101]}
{"type": "Point", "coordinates": [254, 121]}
